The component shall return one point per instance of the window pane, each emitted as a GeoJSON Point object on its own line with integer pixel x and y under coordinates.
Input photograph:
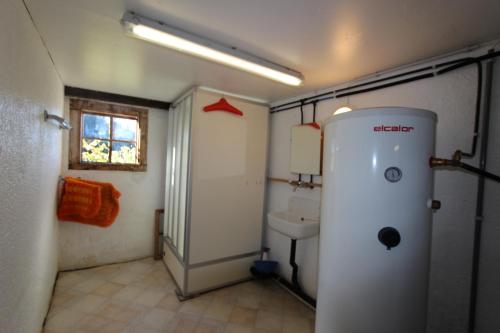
{"type": "Point", "coordinates": [95, 151]}
{"type": "Point", "coordinates": [124, 152]}
{"type": "Point", "coordinates": [124, 129]}
{"type": "Point", "coordinates": [96, 126]}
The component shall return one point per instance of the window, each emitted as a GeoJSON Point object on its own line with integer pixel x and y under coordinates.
{"type": "Point", "coordinates": [107, 136]}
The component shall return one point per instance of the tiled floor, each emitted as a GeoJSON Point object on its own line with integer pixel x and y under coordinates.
{"type": "Point", "coordinates": [139, 297]}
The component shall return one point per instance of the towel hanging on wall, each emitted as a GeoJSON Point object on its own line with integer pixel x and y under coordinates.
{"type": "Point", "coordinates": [88, 202]}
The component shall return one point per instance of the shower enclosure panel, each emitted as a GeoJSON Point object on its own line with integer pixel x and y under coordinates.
{"type": "Point", "coordinates": [215, 188]}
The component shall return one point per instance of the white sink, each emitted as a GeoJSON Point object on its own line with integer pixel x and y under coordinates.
{"type": "Point", "coordinates": [301, 220]}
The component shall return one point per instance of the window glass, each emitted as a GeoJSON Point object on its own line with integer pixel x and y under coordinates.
{"type": "Point", "coordinates": [96, 140]}
{"type": "Point", "coordinates": [95, 150]}
{"type": "Point", "coordinates": [95, 126]}
{"type": "Point", "coordinates": [124, 152]}
{"type": "Point", "coordinates": [107, 136]}
{"type": "Point", "coordinates": [124, 129]}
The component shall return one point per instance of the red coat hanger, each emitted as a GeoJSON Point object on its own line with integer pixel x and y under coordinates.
{"type": "Point", "coordinates": [222, 105]}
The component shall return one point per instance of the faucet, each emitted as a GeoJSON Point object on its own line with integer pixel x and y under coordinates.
{"type": "Point", "coordinates": [295, 183]}
{"type": "Point", "coordinates": [298, 183]}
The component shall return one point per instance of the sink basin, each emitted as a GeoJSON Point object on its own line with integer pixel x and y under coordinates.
{"type": "Point", "coordinates": [293, 225]}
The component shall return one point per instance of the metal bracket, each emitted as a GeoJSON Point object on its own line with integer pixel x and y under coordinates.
{"type": "Point", "coordinates": [61, 122]}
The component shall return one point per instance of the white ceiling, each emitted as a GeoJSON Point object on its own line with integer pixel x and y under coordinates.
{"type": "Point", "coordinates": [329, 41]}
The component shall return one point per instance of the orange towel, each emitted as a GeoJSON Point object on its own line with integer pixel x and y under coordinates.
{"type": "Point", "coordinates": [88, 202]}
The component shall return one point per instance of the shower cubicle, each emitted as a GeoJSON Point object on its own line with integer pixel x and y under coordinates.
{"type": "Point", "coordinates": [214, 194]}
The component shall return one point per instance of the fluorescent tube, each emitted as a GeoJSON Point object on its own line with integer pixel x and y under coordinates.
{"type": "Point", "coordinates": [182, 41]}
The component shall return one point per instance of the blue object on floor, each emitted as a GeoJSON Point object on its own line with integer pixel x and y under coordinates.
{"type": "Point", "coordinates": [265, 266]}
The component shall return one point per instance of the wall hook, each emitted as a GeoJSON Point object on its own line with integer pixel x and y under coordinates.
{"type": "Point", "coordinates": [63, 123]}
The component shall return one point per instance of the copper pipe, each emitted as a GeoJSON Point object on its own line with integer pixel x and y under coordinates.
{"type": "Point", "coordinates": [293, 182]}
{"type": "Point", "coordinates": [442, 162]}
{"type": "Point", "coordinates": [456, 163]}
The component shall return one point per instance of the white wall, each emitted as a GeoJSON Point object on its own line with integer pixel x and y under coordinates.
{"type": "Point", "coordinates": [30, 157]}
{"type": "Point", "coordinates": [131, 235]}
{"type": "Point", "coordinates": [452, 97]}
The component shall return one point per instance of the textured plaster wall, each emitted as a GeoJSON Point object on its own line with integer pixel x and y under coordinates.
{"type": "Point", "coordinates": [131, 236]}
{"type": "Point", "coordinates": [30, 159]}
{"type": "Point", "coordinates": [452, 97]}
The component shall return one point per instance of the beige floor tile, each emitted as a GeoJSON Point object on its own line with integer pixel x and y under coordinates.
{"type": "Point", "coordinates": [139, 297]}
{"type": "Point", "coordinates": [128, 293]}
{"type": "Point", "coordinates": [139, 267]}
{"type": "Point", "coordinates": [150, 297]}
{"type": "Point", "coordinates": [108, 289]}
{"type": "Point", "coordinates": [61, 298]}
{"type": "Point", "coordinates": [297, 325]}
{"type": "Point", "coordinates": [243, 316]}
{"type": "Point", "coordinates": [194, 306]}
{"type": "Point", "coordinates": [207, 325]}
{"type": "Point", "coordinates": [269, 320]}
{"type": "Point", "coordinates": [64, 321]}
{"type": "Point", "coordinates": [269, 303]}
{"type": "Point", "coordinates": [69, 279]}
{"type": "Point", "coordinates": [307, 312]}
{"type": "Point", "coordinates": [225, 295]}
{"type": "Point", "coordinates": [292, 307]}
{"type": "Point", "coordinates": [88, 285]}
{"type": "Point", "coordinates": [219, 311]}
{"type": "Point", "coordinates": [208, 297]}
{"type": "Point", "coordinates": [107, 272]}
{"type": "Point", "coordinates": [149, 281]}
{"type": "Point", "coordinates": [170, 302]}
{"type": "Point", "coordinates": [160, 273]}
{"type": "Point", "coordinates": [157, 318]}
{"type": "Point", "coordinates": [126, 277]}
{"type": "Point", "coordinates": [119, 312]}
{"type": "Point", "coordinates": [248, 300]}
{"type": "Point", "coordinates": [113, 327]}
{"type": "Point", "coordinates": [253, 287]}
{"type": "Point", "coordinates": [184, 323]}
{"type": "Point", "coordinates": [92, 323]}
{"type": "Point", "coordinates": [88, 303]}
{"type": "Point", "coordinates": [233, 328]}
{"type": "Point", "coordinates": [54, 310]}
{"type": "Point", "coordinates": [139, 329]}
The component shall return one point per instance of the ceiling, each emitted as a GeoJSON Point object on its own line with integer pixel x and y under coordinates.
{"type": "Point", "coordinates": [329, 41]}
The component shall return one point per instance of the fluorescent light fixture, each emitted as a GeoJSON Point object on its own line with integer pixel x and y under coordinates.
{"type": "Point", "coordinates": [164, 35]}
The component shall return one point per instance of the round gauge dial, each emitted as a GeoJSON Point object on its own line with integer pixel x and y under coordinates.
{"type": "Point", "coordinates": [393, 174]}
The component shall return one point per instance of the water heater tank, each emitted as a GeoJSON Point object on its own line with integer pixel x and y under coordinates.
{"type": "Point", "coordinates": [376, 221]}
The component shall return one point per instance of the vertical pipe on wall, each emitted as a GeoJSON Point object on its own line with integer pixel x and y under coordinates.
{"type": "Point", "coordinates": [480, 197]}
{"type": "Point", "coordinates": [295, 271]}
{"type": "Point", "coordinates": [302, 123]}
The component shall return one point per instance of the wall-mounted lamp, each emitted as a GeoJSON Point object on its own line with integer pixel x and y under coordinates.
{"type": "Point", "coordinates": [342, 110]}
{"type": "Point", "coordinates": [63, 123]}
{"type": "Point", "coordinates": [182, 41]}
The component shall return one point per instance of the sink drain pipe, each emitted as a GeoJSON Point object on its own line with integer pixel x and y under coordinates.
{"type": "Point", "coordinates": [295, 287]}
{"type": "Point", "coordinates": [295, 267]}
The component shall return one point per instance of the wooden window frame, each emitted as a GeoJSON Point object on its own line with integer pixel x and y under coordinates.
{"type": "Point", "coordinates": [80, 106]}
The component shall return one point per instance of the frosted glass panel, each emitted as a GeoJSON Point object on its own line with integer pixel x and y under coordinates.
{"type": "Point", "coordinates": [178, 139]}
{"type": "Point", "coordinates": [168, 174]}
{"type": "Point", "coordinates": [184, 167]}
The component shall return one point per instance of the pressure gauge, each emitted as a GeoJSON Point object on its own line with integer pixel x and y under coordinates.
{"type": "Point", "coordinates": [393, 174]}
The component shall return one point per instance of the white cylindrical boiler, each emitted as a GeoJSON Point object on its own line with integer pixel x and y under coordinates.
{"type": "Point", "coordinates": [376, 221]}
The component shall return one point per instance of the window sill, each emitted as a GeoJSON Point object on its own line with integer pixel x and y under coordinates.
{"type": "Point", "coordinates": [110, 167]}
